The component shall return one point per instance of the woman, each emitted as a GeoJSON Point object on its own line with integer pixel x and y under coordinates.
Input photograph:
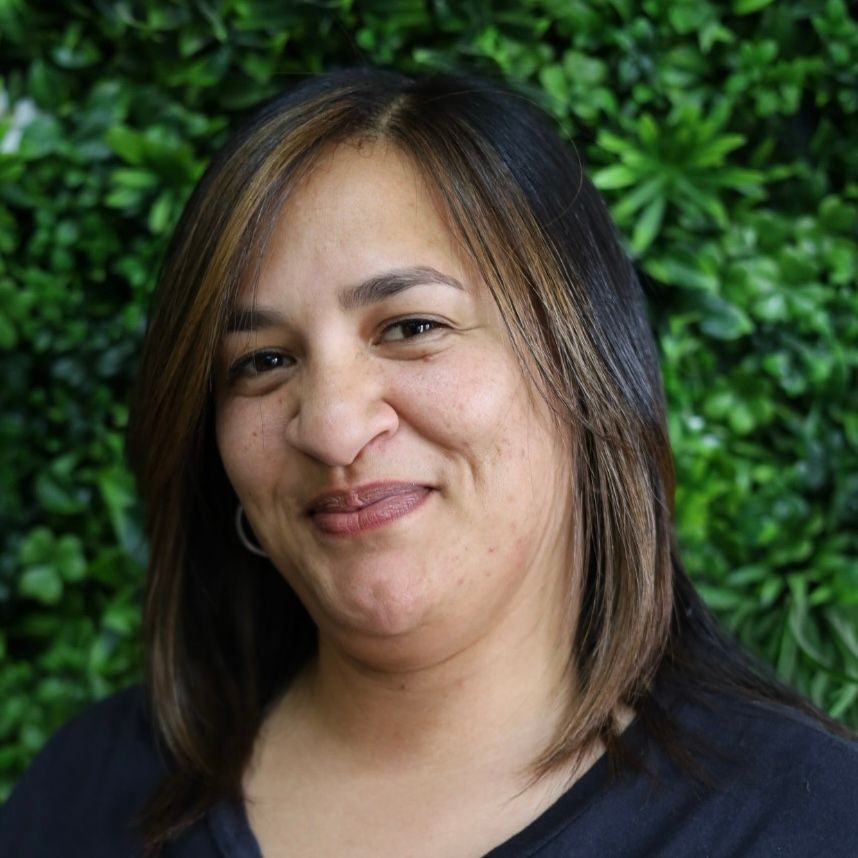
{"type": "Point", "coordinates": [413, 586]}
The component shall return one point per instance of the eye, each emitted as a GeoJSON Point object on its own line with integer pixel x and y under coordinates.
{"type": "Point", "coordinates": [258, 363]}
{"type": "Point", "coordinates": [409, 329]}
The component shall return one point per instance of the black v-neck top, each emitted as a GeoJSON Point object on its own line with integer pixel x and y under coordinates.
{"type": "Point", "coordinates": [785, 788]}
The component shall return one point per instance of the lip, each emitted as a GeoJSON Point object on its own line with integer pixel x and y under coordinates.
{"type": "Point", "coordinates": [366, 507]}
{"type": "Point", "coordinates": [357, 497]}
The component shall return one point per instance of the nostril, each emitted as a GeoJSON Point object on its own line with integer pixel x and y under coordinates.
{"type": "Point", "coordinates": [336, 427]}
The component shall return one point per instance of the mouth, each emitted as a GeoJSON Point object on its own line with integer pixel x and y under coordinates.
{"type": "Point", "coordinates": [363, 508]}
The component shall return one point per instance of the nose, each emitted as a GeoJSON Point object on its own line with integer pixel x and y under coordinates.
{"type": "Point", "coordinates": [340, 410]}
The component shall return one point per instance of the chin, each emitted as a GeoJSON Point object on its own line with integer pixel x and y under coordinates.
{"type": "Point", "coordinates": [386, 609]}
{"type": "Point", "coordinates": [377, 597]}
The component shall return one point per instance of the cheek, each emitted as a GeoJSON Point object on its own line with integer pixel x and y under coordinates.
{"type": "Point", "coordinates": [467, 390]}
{"type": "Point", "coordinates": [245, 441]}
{"type": "Point", "coordinates": [476, 406]}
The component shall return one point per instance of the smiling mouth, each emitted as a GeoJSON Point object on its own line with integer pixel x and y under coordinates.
{"type": "Point", "coordinates": [366, 508]}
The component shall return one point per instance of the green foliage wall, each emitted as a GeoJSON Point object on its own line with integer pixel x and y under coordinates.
{"type": "Point", "coordinates": [722, 134]}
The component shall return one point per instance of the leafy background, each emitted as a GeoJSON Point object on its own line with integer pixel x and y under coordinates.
{"type": "Point", "coordinates": [723, 136]}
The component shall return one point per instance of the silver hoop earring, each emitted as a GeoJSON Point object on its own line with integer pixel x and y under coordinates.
{"type": "Point", "coordinates": [242, 535]}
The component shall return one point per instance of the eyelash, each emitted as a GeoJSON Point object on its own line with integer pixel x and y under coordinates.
{"type": "Point", "coordinates": [416, 320]}
{"type": "Point", "coordinates": [246, 364]}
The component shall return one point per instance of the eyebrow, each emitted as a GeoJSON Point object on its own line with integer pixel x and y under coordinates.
{"type": "Point", "coordinates": [371, 291]}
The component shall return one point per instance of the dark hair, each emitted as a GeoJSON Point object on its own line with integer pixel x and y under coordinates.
{"type": "Point", "coordinates": [224, 634]}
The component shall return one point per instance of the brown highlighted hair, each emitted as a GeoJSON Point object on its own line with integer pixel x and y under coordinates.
{"type": "Point", "coordinates": [223, 632]}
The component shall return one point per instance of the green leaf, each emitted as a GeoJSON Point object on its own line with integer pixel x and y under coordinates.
{"type": "Point", "coordinates": [724, 321]}
{"type": "Point", "coordinates": [69, 558]}
{"type": "Point", "coordinates": [117, 491]}
{"type": "Point", "coordinates": [648, 225]}
{"type": "Point", "coordinates": [747, 7]}
{"type": "Point", "coordinates": [135, 179]}
{"type": "Point", "coordinates": [41, 583]}
{"type": "Point", "coordinates": [553, 80]}
{"type": "Point", "coordinates": [639, 197]}
{"type": "Point", "coordinates": [57, 497]}
{"type": "Point", "coordinates": [718, 598]}
{"type": "Point", "coordinates": [712, 153]}
{"type": "Point", "coordinates": [38, 547]}
{"type": "Point", "coordinates": [618, 176]}
{"type": "Point", "coordinates": [127, 143]}
{"type": "Point", "coordinates": [161, 213]}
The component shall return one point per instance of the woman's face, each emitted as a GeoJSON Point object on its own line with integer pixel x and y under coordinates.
{"type": "Point", "coordinates": [371, 363]}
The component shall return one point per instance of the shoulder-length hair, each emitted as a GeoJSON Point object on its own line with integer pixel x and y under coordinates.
{"type": "Point", "coordinates": [223, 632]}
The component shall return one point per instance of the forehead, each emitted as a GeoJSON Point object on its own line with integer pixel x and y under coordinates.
{"type": "Point", "coordinates": [360, 172]}
{"type": "Point", "coordinates": [357, 186]}
{"type": "Point", "coordinates": [359, 210]}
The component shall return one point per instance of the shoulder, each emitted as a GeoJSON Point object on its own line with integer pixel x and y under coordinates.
{"type": "Point", "coordinates": [124, 712]}
{"type": "Point", "coordinates": [767, 742]}
{"type": "Point", "coordinates": [782, 783]}
{"type": "Point", "coordinates": [778, 784]}
{"type": "Point", "coordinates": [80, 794]}
{"type": "Point", "coordinates": [115, 733]}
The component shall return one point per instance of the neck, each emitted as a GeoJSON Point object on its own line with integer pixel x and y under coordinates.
{"type": "Point", "coordinates": [494, 703]}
